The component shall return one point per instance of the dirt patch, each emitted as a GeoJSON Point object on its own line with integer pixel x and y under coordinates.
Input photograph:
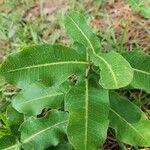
{"type": "Point", "coordinates": [121, 18]}
{"type": "Point", "coordinates": [44, 8]}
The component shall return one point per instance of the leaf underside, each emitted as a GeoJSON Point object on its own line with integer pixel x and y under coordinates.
{"type": "Point", "coordinates": [43, 63]}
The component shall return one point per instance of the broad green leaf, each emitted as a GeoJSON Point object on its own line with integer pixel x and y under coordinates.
{"type": "Point", "coordinates": [15, 119]}
{"type": "Point", "coordinates": [116, 72]}
{"type": "Point", "coordinates": [140, 63]}
{"type": "Point", "coordinates": [52, 64]}
{"type": "Point", "coordinates": [9, 142]}
{"type": "Point", "coordinates": [87, 104]}
{"type": "Point", "coordinates": [42, 133]}
{"type": "Point", "coordinates": [78, 29]}
{"type": "Point", "coordinates": [130, 123]}
{"type": "Point", "coordinates": [36, 97]}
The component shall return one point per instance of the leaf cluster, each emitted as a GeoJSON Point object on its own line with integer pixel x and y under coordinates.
{"type": "Point", "coordinates": [69, 97]}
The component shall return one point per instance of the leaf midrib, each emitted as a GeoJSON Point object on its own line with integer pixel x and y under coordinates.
{"type": "Point", "coordinates": [42, 97]}
{"type": "Point", "coordinates": [86, 111]}
{"type": "Point", "coordinates": [48, 64]}
{"type": "Point", "coordinates": [40, 132]}
{"type": "Point", "coordinates": [128, 123]}
{"type": "Point", "coordinates": [94, 53]}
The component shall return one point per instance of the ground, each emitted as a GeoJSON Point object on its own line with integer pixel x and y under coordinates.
{"type": "Point", "coordinates": [26, 22]}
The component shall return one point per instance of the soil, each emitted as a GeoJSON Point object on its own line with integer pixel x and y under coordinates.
{"type": "Point", "coordinates": [121, 16]}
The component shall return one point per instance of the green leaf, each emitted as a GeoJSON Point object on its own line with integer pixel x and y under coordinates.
{"type": "Point", "coordinates": [4, 126]}
{"type": "Point", "coordinates": [9, 142]}
{"type": "Point", "coordinates": [36, 97]}
{"type": "Point", "coordinates": [52, 64]}
{"type": "Point", "coordinates": [61, 146]}
{"type": "Point", "coordinates": [140, 63]}
{"type": "Point", "coordinates": [88, 115]}
{"type": "Point", "coordinates": [100, 2]}
{"type": "Point", "coordinates": [145, 11]}
{"type": "Point", "coordinates": [2, 81]}
{"type": "Point", "coordinates": [78, 29]}
{"type": "Point", "coordinates": [80, 48]}
{"type": "Point", "coordinates": [116, 72]}
{"type": "Point", "coordinates": [136, 4]}
{"type": "Point", "coordinates": [15, 119]}
{"type": "Point", "coordinates": [45, 132]}
{"type": "Point", "coordinates": [130, 123]}
{"type": "Point", "coordinates": [141, 7]}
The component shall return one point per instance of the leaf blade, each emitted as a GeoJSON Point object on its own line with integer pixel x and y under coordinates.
{"type": "Point", "coordinates": [130, 123]}
{"type": "Point", "coordinates": [115, 72]}
{"type": "Point", "coordinates": [36, 97]}
{"type": "Point", "coordinates": [47, 131]}
{"type": "Point", "coordinates": [139, 62]}
{"type": "Point", "coordinates": [53, 63]}
{"type": "Point", "coordinates": [87, 106]}
{"type": "Point", "coordinates": [15, 119]}
{"type": "Point", "coordinates": [9, 142]}
{"type": "Point", "coordinates": [79, 31]}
